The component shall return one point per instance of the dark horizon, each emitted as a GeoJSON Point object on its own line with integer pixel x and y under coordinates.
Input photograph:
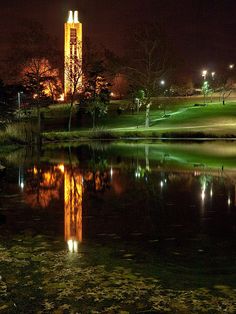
{"type": "Point", "coordinates": [200, 32]}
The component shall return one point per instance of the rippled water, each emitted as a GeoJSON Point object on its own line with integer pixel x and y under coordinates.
{"type": "Point", "coordinates": [112, 227]}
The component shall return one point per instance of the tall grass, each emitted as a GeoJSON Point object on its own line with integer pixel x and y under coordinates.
{"type": "Point", "coordinates": [4, 138]}
{"type": "Point", "coordinates": [21, 132]}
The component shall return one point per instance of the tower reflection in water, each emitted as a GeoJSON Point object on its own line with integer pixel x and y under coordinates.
{"type": "Point", "coordinates": [49, 186]}
{"type": "Point", "coordinates": [73, 190]}
{"type": "Point", "coordinates": [44, 188]}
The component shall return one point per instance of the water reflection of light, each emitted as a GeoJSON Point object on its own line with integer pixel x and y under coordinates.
{"type": "Point", "coordinates": [161, 184]}
{"type": "Point", "coordinates": [203, 193]}
{"type": "Point", "coordinates": [21, 178]}
{"type": "Point", "coordinates": [72, 246]}
{"type": "Point", "coordinates": [73, 189]}
{"type": "Point", "coordinates": [111, 172]}
{"type": "Point", "coordinates": [137, 174]}
{"type": "Point", "coordinates": [211, 192]}
{"type": "Point", "coordinates": [229, 201]}
{"type": "Point", "coordinates": [43, 186]}
{"type": "Point", "coordinates": [61, 167]}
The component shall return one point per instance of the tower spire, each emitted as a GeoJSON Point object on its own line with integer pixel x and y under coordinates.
{"type": "Point", "coordinates": [70, 18]}
{"type": "Point", "coordinates": [76, 17]}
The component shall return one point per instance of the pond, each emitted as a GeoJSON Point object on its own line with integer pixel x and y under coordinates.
{"type": "Point", "coordinates": [119, 227]}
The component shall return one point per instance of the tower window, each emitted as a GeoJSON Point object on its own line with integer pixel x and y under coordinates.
{"type": "Point", "coordinates": [73, 37]}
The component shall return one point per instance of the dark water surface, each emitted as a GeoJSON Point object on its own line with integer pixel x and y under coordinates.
{"type": "Point", "coordinates": [119, 228]}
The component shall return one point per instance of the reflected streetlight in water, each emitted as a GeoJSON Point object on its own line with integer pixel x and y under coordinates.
{"type": "Point", "coordinates": [203, 195]}
{"type": "Point", "coordinates": [138, 172]}
{"type": "Point", "coordinates": [61, 167]}
{"type": "Point", "coordinates": [21, 178]}
{"type": "Point", "coordinates": [203, 192]}
{"type": "Point", "coordinates": [147, 157]}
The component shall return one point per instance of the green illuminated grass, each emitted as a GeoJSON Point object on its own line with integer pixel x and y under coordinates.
{"type": "Point", "coordinates": [188, 124]}
{"type": "Point", "coordinates": [182, 119]}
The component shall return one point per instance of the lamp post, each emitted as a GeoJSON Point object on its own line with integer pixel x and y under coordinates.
{"type": "Point", "coordinates": [19, 99]}
{"type": "Point", "coordinates": [162, 84]}
{"type": "Point", "coordinates": [212, 83]}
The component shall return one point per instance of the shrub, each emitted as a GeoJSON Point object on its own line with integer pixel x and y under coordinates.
{"type": "Point", "coordinates": [100, 133]}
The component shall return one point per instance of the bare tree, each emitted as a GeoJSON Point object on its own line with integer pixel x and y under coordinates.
{"type": "Point", "coordinates": [36, 73]}
{"type": "Point", "coordinates": [148, 59]}
{"type": "Point", "coordinates": [74, 75]}
{"type": "Point", "coordinates": [225, 82]}
{"type": "Point", "coordinates": [53, 86]}
{"type": "Point", "coordinates": [120, 86]}
{"type": "Point", "coordinates": [226, 88]}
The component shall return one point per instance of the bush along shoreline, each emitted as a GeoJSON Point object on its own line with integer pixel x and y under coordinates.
{"type": "Point", "coordinates": [113, 135]}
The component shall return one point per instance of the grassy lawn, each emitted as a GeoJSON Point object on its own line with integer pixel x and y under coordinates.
{"type": "Point", "coordinates": [182, 116]}
{"type": "Point", "coordinates": [188, 116]}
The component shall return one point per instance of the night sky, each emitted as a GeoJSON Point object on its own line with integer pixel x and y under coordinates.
{"type": "Point", "coordinates": [201, 32]}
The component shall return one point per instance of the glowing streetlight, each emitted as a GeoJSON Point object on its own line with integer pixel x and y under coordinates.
{"type": "Point", "coordinates": [231, 66]}
{"type": "Point", "coordinates": [204, 74]}
{"type": "Point", "coordinates": [162, 82]}
{"type": "Point", "coordinates": [213, 75]}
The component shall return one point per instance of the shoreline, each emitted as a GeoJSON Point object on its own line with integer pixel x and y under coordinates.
{"type": "Point", "coordinates": [60, 137]}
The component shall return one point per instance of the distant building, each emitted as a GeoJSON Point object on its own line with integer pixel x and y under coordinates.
{"type": "Point", "coordinates": [72, 47]}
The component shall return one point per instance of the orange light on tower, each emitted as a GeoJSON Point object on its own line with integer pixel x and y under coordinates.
{"type": "Point", "coordinates": [72, 47]}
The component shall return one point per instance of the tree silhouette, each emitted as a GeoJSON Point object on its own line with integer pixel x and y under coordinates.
{"type": "Point", "coordinates": [148, 59]}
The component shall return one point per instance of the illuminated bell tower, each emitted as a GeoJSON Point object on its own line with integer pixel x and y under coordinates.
{"type": "Point", "coordinates": [72, 47]}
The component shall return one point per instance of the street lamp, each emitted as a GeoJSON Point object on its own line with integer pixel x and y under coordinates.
{"type": "Point", "coordinates": [162, 82]}
{"type": "Point", "coordinates": [231, 66]}
{"type": "Point", "coordinates": [19, 98]}
{"type": "Point", "coordinates": [204, 74]}
{"type": "Point", "coordinates": [213, 75]}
